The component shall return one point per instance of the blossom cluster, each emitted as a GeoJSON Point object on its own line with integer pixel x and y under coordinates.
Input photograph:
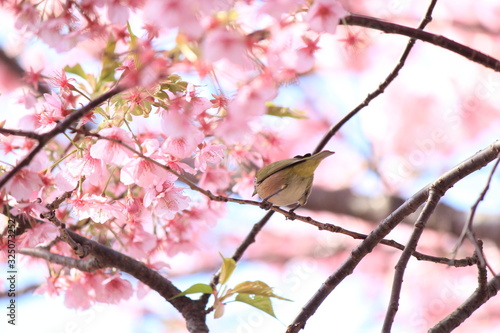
{"type": "Point", "coordinates": [124, 178]}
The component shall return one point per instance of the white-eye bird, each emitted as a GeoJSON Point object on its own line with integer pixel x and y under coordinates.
{"type": "Point", "coordinates": [288, 181]}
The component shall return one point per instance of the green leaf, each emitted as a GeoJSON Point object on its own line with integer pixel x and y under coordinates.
{"type": "Point", "coordinates": [195, 288]}
{"type": "Point", "coordinates": [256, 288]}
{"type": "Point", "coordinates": [228, 266]}
{"type": "Point", "coordinates": [109, 62]}
{"type": "Point", "coordinates": [260, 302]}
{"type": "Point", "coordinates": [99, 110]}
{"type": "Point", "coordinates": [160, 105]}
{"type": "Point", "coordinates": [161, 95]}
{"type": "Point", "coordinates": [77, 70]}
{"type": "Point", "coordinates": [174, 84]}
{"type": "Point", "coordinates": [133, 37]}
{"type": "Point", "coordinates": [283, 111]}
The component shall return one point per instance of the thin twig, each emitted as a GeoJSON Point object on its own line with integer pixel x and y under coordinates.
{"type": "Point", "coordinates": [467, 229]}
{"type": "Point", "coordinates": [381, 88]}
{"type": "Point", "coordinates": [469, 261]}
{"type": "Point", "coordinates": [465, 310]}
{"type": "Point", "coordinates": [17, 132]}
{"type": "Point", "coordinates": [397, 283]}
{"type": "Point", "coordinates": [20, 292]}
{"type": "Point", "coordinates": [482, 276]}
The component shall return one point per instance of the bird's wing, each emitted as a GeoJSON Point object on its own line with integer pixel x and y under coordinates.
{"type": "Point", "coordinates": [272, 168]}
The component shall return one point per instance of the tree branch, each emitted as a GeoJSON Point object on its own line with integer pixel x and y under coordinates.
{"type": "Point", "coordinates": [467, 230]}
{"type": "Point", "coordinates": [397, 284]}
{"type": "Point", "coordinates": [441, 41]}
{"type": "Point", "coordinates": [43, 139]}
{"type": "Point", "coordinates": [464, 311]}
{"type": "Point", "coordinates": [17, 132]}
{"type": "Point", "coordinates": [102, 257]}
{"type": "Point", "coordinates": [15, 68]}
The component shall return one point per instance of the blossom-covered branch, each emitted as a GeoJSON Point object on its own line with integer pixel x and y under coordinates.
{"type": "Point", "coordinates": [59, 128]}
{"type": "Point", "coordinates": [102, 257]}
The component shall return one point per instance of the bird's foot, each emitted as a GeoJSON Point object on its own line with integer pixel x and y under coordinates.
{"type": "Point", "coordinates": [292, 215]}
{"type": "Point", "coordinates": [264, 204]}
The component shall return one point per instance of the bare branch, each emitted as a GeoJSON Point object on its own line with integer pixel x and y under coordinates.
{"type": "Point", "coordinates": [467, 229]}
{"type": "Point", "coordinates": [397, 284]}
{"type": "Point", "coordinates": [441, 41]}
{"type": "Point", "coordinates": [356, 235]}
{"type": "Point", "coordinates": [88, 265]}
{"type": "Point", "coordinates": [464, 311]}
{"type": "Point", "coordinates": [17, 132]}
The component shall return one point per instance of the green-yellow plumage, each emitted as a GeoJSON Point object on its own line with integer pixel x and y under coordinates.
{"type": "Point", "coordinates": [288, 181]}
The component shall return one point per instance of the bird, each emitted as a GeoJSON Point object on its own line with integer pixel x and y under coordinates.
{"type": "Point", "coordinates": [289, 181]}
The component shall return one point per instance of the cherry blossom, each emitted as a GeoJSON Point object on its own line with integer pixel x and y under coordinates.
{"type": "Point", "coordinates": [39, 235]}
{"type": "Point", "coordinates": [114, 290]}
{"type": "Point", "coordinates": [24, 184]}
{"type": "Point", "coordinates": [51, 33]}
{"type": "Point", "coordinates": [174, 14]}
{"type": "Point", "coordinates": [33, 208]}
{"type": "Point", "coordinates": [94, 170]}
{"type": "Point", "coordinates": [176, 124]}
{"type": "Point", "coordinates": [98, 208]}
{"type": "Point", "coordinates": [224, 43]}
{"type": "Point", "coordinates": [252, 97]}
{"type": "Point", "coordinates": [33, 77]}
{"type": "Point", "coordinates": [138, 242]}
{"type": "Point", "coordinates": [324, 15]}
{"type": "Point", "coordinates": [180, 235]}
{"type": "Point", "coordinates": [209, 154]}
{"type": "Point", "coordinates": [8, 144]}
{"type": "Point", "coordinates": [184, 146]}
{"type": "Point", "coordinates": [61, 81]}
{"type": "Point", "coordinates": [110, 151]}
{"type": "Point", "coordinates": [78, 294]}
{"type": "Point", "coordinates": [277, 8]}
{"type": "Point", "coordinates": [215, 179]}
{"type": "Point", "coordinates": [144, 173]}
{"type": "Point", "coordinates": [49, 287]}
{"type": "Point", "coordinates": [244, 186]}
{"type": "Point", "coordinates": [27, 17]}
{"type": "Point", "coordinates": [209, 93]}
{"type": "Point", "coordinates": [166, 200]}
